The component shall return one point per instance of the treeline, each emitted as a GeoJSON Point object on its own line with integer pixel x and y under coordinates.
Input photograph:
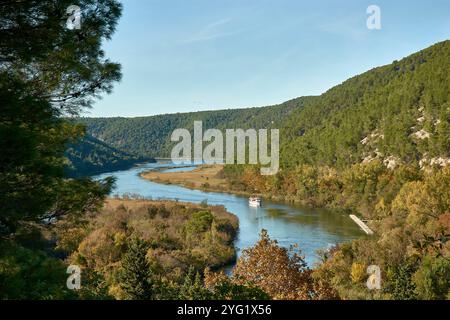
{"type": "Point", "coordinates": [47, 73]}
{"type": "Point", "coordinates": [89, 156]}
{"type": "Point", "coordinates": [150, 136]}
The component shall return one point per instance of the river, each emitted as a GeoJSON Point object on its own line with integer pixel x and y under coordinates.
{"type": "Point", "coordinates": [311, 229]}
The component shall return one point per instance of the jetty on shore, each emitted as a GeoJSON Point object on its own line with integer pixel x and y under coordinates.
{"type": "Point", "coordinates": [361, 224]}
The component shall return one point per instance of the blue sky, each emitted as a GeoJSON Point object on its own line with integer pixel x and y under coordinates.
{"type": "Point", "coordinates": [191, 55]}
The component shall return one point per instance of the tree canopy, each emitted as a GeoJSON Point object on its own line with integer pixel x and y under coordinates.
{"type": "Point", "coordinates": [46, 72]}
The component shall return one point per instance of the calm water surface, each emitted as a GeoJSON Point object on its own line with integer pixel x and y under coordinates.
{"type": "Point", "coordinates": [310, 229]}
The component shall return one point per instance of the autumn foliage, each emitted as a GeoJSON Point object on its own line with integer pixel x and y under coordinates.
{"type": "Point", "coordinates": [281, 273]}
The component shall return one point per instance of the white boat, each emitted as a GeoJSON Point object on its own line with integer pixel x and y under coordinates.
{"type": "Point", "coordinates": [254, 202]}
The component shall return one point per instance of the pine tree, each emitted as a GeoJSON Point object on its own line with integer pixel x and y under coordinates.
{"type": "Point", "coordinates": [135, 276]}
{"type": "Point", "coordinates": [46, 72]}
{"type": "Point", "coordinates": [193, 288]}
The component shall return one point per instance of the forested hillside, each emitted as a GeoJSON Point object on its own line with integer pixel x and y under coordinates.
{"type": "Point", "coordinates": [150, 136]}
{"type": "Point", "coordinates": [91, 156]}
{"type": "Point", "coordinates": [395, 113]}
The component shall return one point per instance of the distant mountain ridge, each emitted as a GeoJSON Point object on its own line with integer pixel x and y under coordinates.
{"type": "Point", "coordinates": [395, 113]}
{"type": "Point", "coordinates": [91, 156]}
{"type": "Point", "coordinates": [150, 136]}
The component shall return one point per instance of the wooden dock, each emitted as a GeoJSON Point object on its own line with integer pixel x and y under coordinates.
{"type": "Point", "coordinates": [361, 224]}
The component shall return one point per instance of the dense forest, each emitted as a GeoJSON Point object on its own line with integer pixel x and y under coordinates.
{"type": "Point", "coordinates": [89, 156]}
{"type": "Point", "coordinates": [150, 136]}
{"type": "Point", "coordinates": [396, 113]}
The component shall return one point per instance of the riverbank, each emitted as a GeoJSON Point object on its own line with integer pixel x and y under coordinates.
{"type": "Point", "coordinates": [208, 178]}
{"type": "Point", "coordinates": [204, 177]}
{"type": "Point", "coordinates": [286, 222]}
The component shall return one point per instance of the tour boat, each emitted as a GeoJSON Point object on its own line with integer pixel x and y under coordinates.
{"type": "Point", "coordinates": [254, 202]}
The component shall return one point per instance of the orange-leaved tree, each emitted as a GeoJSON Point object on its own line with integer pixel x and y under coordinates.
{"type": "Point", "coordinates": [281, 273]}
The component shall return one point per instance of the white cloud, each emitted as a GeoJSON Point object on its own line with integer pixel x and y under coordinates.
{"type": "Point", "coordinates": [351, 27]}
{"type": "Point", "coordinates": [212, 31]}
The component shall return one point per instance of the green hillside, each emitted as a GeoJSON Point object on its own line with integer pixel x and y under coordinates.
{"type": "Point", "coordinates": [150, 136]}
{"type": "Point", "coordinates": [358, 144]}
{"type": "Point", "coordinates": [91, 156]}
{"type": "Point", "coordinates": [396, 113]}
